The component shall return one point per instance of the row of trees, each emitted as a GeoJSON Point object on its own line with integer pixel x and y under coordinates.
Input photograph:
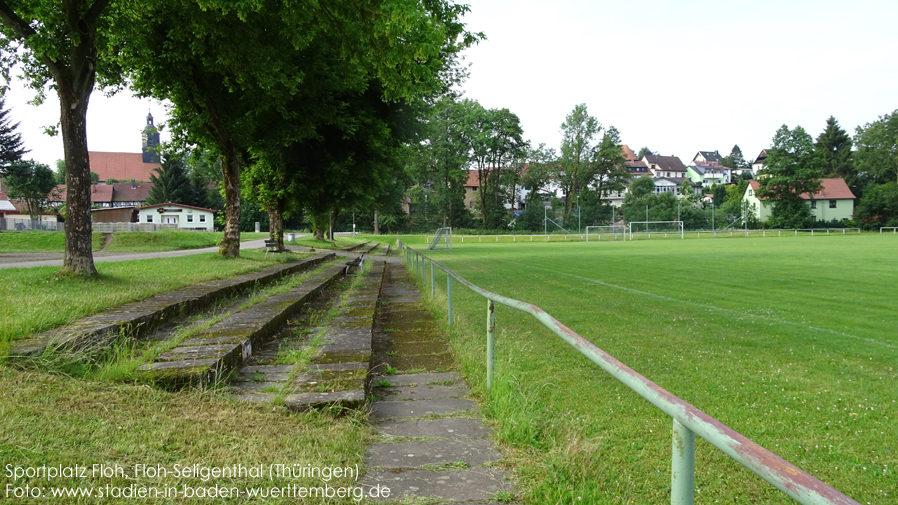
{"type": "Point", "coordinates": [308, 97]}
{"type": "Point", "coordinates": [463, 137]}
{"type": "Point", "coordinates": [868, 164]}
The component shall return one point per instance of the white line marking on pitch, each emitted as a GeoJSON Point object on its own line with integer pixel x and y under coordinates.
{"type": "Point", "coordinates": [703, 305]}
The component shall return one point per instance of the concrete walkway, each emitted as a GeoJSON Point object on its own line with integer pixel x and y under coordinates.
{"type": "Point", "coordinates": [433, 445]}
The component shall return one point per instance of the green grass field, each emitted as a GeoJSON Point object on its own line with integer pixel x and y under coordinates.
{"type": "Point", "coordinates": [793, 342]}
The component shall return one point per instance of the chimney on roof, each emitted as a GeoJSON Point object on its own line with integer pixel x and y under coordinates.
{"type": "Point", "coordinates": [93, 188]}
{"type": "Point", "coordinates": [133, 184]}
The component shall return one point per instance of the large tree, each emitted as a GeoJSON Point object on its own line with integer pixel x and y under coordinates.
{"type": "Point", "coordinates": [67, 45]}
{"type": "Point", "coordinates": [578, 146]}
{"type": "Point", "coordinates": [229, 67]}
{"type": "Point", "coordinates": [877, 148]}
{"type": "Point", "coordinates": [834, 145]}
{"type": "Point", "coordinates": [610, 172]}
{"type": "Point", "coordinates": [34, 184]}
{"type": "Point", "coordinates": [792, 168]}
{"type": "Point", "coordinates": [735, 159]}
{"type": "Point", "coordinates": [440, 160]}
{"type": "Point", "coordinates": [171, 183]}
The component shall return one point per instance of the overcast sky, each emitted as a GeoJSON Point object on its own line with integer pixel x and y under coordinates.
{"type": "Point", "coordinates": [675, 76]}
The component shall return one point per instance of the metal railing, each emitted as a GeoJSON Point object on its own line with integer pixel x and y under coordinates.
{"type": "Point", "coordinates": [688, 421]}
{"type": "Point", "coordinates": [560, 237]}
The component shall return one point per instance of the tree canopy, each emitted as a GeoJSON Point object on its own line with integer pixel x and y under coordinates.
{"type": "Point", "coordinates": [793, 168]}
{"type": "Point", "coordinates": [877, 148]}
{"type": "Point", "coordinates": [69, 45]}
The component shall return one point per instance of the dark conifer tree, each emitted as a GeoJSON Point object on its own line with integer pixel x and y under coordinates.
{"type": "Point", "coordinates": [11, 147]}
{"type": "Point", "coordinates": [834, 146]}
{"type": "Point", "coordinates": [171, 184]}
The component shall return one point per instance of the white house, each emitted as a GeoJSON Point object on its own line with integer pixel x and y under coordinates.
{"type": "Point", "coordinates": [185, 217]}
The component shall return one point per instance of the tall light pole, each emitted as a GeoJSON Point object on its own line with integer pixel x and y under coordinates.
{"type": "Point", "coordinates": [545, 224]}
{"type": "Point", "coordinates": [578, 214]}
{"type": "Point", "coordinates": [713, 229]}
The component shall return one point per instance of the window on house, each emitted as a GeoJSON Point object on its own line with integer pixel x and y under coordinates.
{"type": "Point", "coordinates": [189, 218]}
{"type": "Point", "coordinates": [750, 192]}
{"type": "Point", "coordinates": [149, 218]}
{"type": "Point", "coordinates": [471, 204]}
{"type": "Point", "coordinates": [813, 204]}
{"type": "Point", "coordinates": [202, 218]}
{"type": "Point", "coordinates": [832, 204]}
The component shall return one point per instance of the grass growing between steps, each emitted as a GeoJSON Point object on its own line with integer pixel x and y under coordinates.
{"type": "Point", "coordinates": [40, 241]}
{"type": "Point", "coordinates": [302, 359]}
{"type": "Point", "coordinates": [122, 362]}
{"type": "Point", "coordinates": [33, 300]}
{"type": "Point", "coordinates": [51, 420]}
{"type": "Point", "coordinates": [796, 350]}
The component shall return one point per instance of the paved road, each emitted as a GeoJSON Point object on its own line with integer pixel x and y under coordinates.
{"type": "Point", "coordinates": [20, 260]}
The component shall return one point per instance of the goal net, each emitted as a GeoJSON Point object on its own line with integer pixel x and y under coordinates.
{"type": "Point", "coordinates": [597, 233]}
{"type": "Point", "coordinates": [656, 229]}
{"type": "Point", "coordinates": [442, 239]}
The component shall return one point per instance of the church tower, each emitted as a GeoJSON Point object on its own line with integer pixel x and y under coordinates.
{"type": "Point", "coordinates": [150, 138]}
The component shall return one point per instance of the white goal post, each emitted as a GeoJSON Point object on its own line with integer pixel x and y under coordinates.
{"type": "Point", "coordinates": [614, 232]}
{"type": "Point", "coordinates": [442, 239]}
{"type": "Point", "coordinates": [664, 227]}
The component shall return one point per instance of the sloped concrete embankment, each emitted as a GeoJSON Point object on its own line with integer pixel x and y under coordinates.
{"type": "Point", "coordinates": [101, 330]}
{"type": "Point", "coordinates": [210, 355]}
{"type": "Point", "coordinates": [337, 374]}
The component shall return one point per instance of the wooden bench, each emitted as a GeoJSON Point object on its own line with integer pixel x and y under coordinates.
{"type": "Point", "coordinates": [271, 246]}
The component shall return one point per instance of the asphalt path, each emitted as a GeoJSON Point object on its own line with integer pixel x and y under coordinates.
{"type": "Point", "coordinates": [20, 260]}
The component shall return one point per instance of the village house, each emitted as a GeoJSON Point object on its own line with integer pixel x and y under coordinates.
{"type": "Point", "coordinates": [834, 201]}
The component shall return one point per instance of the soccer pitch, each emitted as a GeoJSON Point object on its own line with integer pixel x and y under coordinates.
{"type": "Point", "coordinates": [791, 341]}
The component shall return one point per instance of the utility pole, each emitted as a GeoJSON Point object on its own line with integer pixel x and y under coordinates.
{"type": "Point", "coordinates": [713, 230]}
{"type": "Point", "coordinates": [578, 214]}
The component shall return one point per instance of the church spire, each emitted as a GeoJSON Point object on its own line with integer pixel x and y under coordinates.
{"type": "Point", "coordinates": [150, 140]}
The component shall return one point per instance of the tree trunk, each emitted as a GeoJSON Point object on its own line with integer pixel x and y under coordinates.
{"type": "Point", "coordinates": [276, 224]}
{"type": "Point", "coordinates": [79, 257]}
{"type": "Point", "coordinates": [319, 224]}
{"type": "Point", "coordinates": [230, 171]}
{"type": "Point", "coordinates": [376, 223]}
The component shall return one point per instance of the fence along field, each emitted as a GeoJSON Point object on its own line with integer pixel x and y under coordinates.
{"type": "Point", "coordinates": [790, 342]}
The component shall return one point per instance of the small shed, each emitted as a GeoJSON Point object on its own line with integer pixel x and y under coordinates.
{"type": "Point", "coordinates": [114, 215]}
{"type": "Point", "coordinates": [184, 217]}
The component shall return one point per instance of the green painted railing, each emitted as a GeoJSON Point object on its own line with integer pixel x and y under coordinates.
{"type": "Point", "coordinates": [688, 421]}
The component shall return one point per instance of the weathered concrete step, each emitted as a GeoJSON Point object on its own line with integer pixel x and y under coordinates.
{"type": "Point", "coordinates": [248, 328]}
{"type": "Point", "coordinates": [420, 408]}
{"type": "Point", "coordinates": [136, 319]}
{"type": "Point", "coordinates": [473, 485]}
{"type": "Point", "coordinates": [420, 348]}
{"type": "Point", "coordinates": [419, 379]}
{"type": "Point", "coordinates": [419, 392]}
{"type": "Point", "coordinates": [385, 250]}
{"type": "Point", "coordinates": [416, 454]}
{"type": "Point", "coordinates": [356, 246]}
{"type": "Point", "coordinates": [426, 362]}
{"type": "Point", "coordinates": [449, 427]}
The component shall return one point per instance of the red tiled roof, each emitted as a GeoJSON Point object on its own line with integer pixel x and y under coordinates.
{"type": "Point", "coordinates": [123, 192]}
{"type": "Point", "coordinates": [99, 193]}
{"type": "Point", "coordinates": [121, 166]}
{"type": "Point", "coordinates": [833, 189]}
{"type": "Point", "coordinates": [168, 204]}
